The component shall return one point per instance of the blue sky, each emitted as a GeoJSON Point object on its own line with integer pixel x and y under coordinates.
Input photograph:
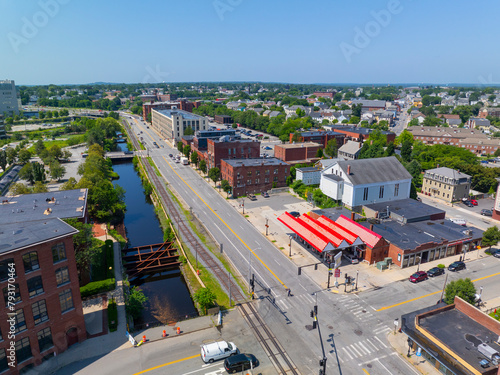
{"type": "Point", "coordinates": [363, 41]}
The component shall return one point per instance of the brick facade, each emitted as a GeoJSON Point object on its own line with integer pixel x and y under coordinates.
{"type": "Point", "coordinates": [241, 149]}
{"type": "Point", "coordinates": [66, 327]}
{"type": "Point", "coordinates": [223, 119]}
{"type": "Point", "coordinates": [303, 152]}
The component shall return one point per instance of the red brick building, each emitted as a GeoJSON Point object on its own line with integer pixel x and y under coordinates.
{"type": "Point", "coordinates": [320, 94]}
{"type": "Point", "coordinates": [359, 134]}
{"type": "Point", "coordinates": [37, 246]}
{"type": "Point", "coordinates": [254, 175]}
{"type": "Point", "coordinates": [297, 152]}
{"type": "Point", "coordinates": [223, 119]}
{"type": "Point", "coordinates": [230, 149]}
{"type": "Point", "coordinates": [147, 107]}
{"type": "Point", "coordinates": [322, 137]}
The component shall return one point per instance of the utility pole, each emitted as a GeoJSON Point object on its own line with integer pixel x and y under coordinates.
{"type": "Point", "coordinates": [444, 286]}
{"type": "Point", "coordinates": [357, 276]}
{"type": "Point", "coordinates": [267, 225]}
{"type": "Point", "coordinates": [314, 315]}
{"type": "Point", "coordinates": [229, 282]}
{"type": "Point", "coordinates": [290, 247]}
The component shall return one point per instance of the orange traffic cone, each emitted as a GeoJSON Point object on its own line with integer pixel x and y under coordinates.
{"type": "Point", "coordinates": [164, 334]}
{"type": "Point", "coordinates": [144, 338]}
{"type": "Point", "coordinates": [178, 330]}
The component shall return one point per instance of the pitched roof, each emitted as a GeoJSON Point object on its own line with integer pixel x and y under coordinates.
{"type": "Point", "coordinates": [351, 147]}
{"type": "Point", "coordinates": [367, 236]}
{"type": "Point", "coordinates": [447, 172]}
{"type": "Point", "coordinates": [370, 171]}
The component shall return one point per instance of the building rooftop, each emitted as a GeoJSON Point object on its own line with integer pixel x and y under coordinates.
{"type": "Point", "coordinates": [447, 172]}
{"type": "Point", "coordinates": [407, 209]}
{"type": "Point", "coordinates": [351, 147]}
{"type": "Point", "coordinates": [63, 204]}
{"type": "Point", "coordinates": [370, 171]}
{"type": "Point", "coordinates": [308, 169]}
{"type": "Point", "coordinates": [178, 112]}
{"type": "Point", "coordinates": [320, 133]}
{"type": "Point", "coordinates": [298, 145]}
{"type": "Point", "coordinates": [254, 162]}
{"type": "Point", "coordinates": [19, 235]}
{"type": "Point", "coordinates": [357, 130]}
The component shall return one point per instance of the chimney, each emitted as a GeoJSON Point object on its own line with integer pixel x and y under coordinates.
{"type": "Point", "coordinates": [348, 170]}
{"type": "Point", "coordinates": [353, 215]}
{"type": "Point", "coordinates": [371, 227]}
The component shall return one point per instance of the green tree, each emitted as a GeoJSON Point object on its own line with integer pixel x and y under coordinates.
{"type": "Point", "coordinates": [39, 147]}
{"type": "Point", "coordinates": [464, 288]}
{"type": "Point", "coordinates": [11, 154]}
{"type": "Point", "coordinates": [224, 184]}
{"type": "Point", "coordinates": [406, 151]}
{"type": "Point", "coordinates": [214, 174]}
{"type": "Point", "coordinates": [56, 170]}
{"type": "Point", "coordinates": [186, 150]}
{"type": "Point", "coordinates": [354, 120]}
{"type": "Point", "coordinates": [135, 302]}
{"type": "Point", "coordinates": [331, 148]}
{"type": "Point", "coordinates": [414, 168]}
{"type": "Point", "coordinates": [19, 189]}
{"type": "Point", "coordinates": [404, 136]}
{"type": "Point", "coordinates": [497, 152]}
{"type": "Point", "coordinates": [205, 298]}
{"type": "Point", "coordinates": [194, 158]}
{"type": "Point", "coordinates": [179, 146]}
{"type": "Point", "coordinates": [40, 187]}
{"type": "Point", "coordinates": [491, 236]}
{"type": "Point", "coordinates": [3, 160]}
{"type": "Point", "coordinates": [189, 131]}
{"type": "Point", "coordinates": [69, 185]}
{"type": "Point", "coordinates": [32, 172]}
{"type": "Point", "coordinates": [203, 165]}
{"type": "Point", "coordinates": [24, 156]}
{"type": "Point", "coordinates": [319, 153]}
{"type": "Point", "coordinates": [389, 151]}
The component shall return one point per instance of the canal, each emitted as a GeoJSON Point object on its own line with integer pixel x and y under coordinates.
{"type": "Point", "coordinates": [167, 292]}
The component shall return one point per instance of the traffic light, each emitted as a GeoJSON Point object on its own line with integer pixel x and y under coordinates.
{"type": "Point", "coordinates": [321, 372]}
{"type": "Point", "coordinates": [322, 362]}
{"type": "Point", "coordinates": [316, 266]}
{"type": "Point", "coordinates": [252, 282]}
{"type": "Point", "coordinates": [312, 314]}
{"type": "Point", "coordinates": [315, 323]}
{"type": "Point", "coordinates": [300, 270]}
{"type": "Point", "coordinates": [315, 309]}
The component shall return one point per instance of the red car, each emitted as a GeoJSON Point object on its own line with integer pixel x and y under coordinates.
{"type": "Point", "coordinates": [474, 202]}
{"type": "Point", "coordinates": [418, 276]}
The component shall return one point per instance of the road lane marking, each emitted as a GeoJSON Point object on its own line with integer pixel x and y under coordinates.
{"type": "Point", "coordinates": [430, 294]}
{"type": "Point", "coordinates": [372, 344]}
{"type": "Point", "coordinates": [228, 227]}
{"type": "Point", "coordinates": [166, 364]}
{"type": "Point", "coordinates": [346, 352]}
{"type": "Point", "coordinates": [380, 341]}
{"type": "Point", "coordinates": [366, 372]}
{"type": "Point", "coordinates": [384, 367]}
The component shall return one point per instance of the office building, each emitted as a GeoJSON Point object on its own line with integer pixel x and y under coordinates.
{"type": "Point", "coordinates": [171, 123]}
{"type": "Point", "coordinates": [9, 102]}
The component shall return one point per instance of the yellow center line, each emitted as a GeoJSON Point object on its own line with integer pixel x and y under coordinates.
{"type": "Point", "coordinates": [366, 372]}
{"type": "Point", "coordinates": [431, 294]}
{"type": "Point", "coordinates": [215, 213]}
{"type": "Point", "coordinates": [166, 364]}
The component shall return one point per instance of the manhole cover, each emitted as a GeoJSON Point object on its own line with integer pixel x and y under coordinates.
{"type": "Point", "coordinates": [330, 327]}
{"type": "Point", "coordinates": [358, 332]}
{"type": "Point", "coordinates": [369, 365]}
{"type": "Point", "coordinates": [363, 311]}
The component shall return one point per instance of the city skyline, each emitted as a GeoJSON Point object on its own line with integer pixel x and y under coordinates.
{"type": "Point", "coordinates": [383, 42]}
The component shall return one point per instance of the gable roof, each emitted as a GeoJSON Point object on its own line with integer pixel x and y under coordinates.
{"type": "Point", "coordinates": [351, 147]}
{"type": "Point", "coordinates": [367, 236]}
{"type": "Point", "coordinates": [370, 171]}
{"type": "Point", "coordinates": [447, 172]}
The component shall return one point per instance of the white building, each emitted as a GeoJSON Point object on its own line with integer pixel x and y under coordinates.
{"type": "Point", "coordinates": [9, 102]}
{"type": "Point", "coordinates": [171, 123]}
{"type": "Point", "coordinates": [309, 175]}
{"type": "Point", "coordinates": [365, 181]}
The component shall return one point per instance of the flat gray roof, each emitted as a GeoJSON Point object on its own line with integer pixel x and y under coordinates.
{"type": "Point", "coordinates": [64, 204]}
{"type": "Point", "coordinates": [184, 114]}
{"type": "Point", "coordinates": [308, 169]}
{"type": "Point", "coordinates": [16, 236]}
{"type": "Point", "coordinates": [408, 208]}
{"type": "Point", "coordinates": [254, 162]}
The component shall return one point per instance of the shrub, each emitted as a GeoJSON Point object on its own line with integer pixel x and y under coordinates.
{"type": "Point", "coordinates": [441, 266]}
{"type": "Point", "coordinates": [112, 315]}
{"type": "Point", "coordinates": [96, 287]}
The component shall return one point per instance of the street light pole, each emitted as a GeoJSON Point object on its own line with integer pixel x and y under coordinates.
{"type": "Point", "coordinates": [357, 275]}
{"type": "Point", "coordinates": [290, 247]}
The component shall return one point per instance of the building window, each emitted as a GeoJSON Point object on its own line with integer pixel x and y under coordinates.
{"type": "Point", "coordinates": [257, 173]}
{"type": "Point", "coordinates": [4, 365]}
{"type": "Point", "coordinates": [257, 180]}
{"type": "Point", "coordinates": [58, 252]}
{"type": "Point", "coordinates": [396, 190]}
{"type": "Point", "coordinates": [275, 179]}
{"type": "Point", "coordinates": [39, 310]}
{"type": "Point", "coordinates": [249, 182]}
{"type": "Point", "coordinates": [365, 194]}
{"type": "Point", "coordinates": [20, 321]}
{"type": "Point", "coordinates": [45, 339]}
{"type": "Point", "coordinates": [30, 261]}
{"type": "Point", "coordinates": [267, 172]}
{"type": "Point", "coordinates": [276, 171]}
{"type": "Point", "coordinates": [381, 192]}
{"type": "Point", "coordinates": [62, 276]}
{"type": "Point", "coordinates": [16, 293]}
{"type": "Point", "coordinates": [23, 350]}
{"type": "Point", "coordinates": [66, 300]}
{"type": "Point", "coordinates": [249, 173]}
{"type": "Point", "coordinates": [267, 180]}
{"type": "Point", "coordinates": [4, 268]}
{"type": "Point", "coordinates": [35, 286]}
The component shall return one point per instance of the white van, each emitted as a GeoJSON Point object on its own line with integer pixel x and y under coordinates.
{"type": "Point", "coordinates": [217, 350]}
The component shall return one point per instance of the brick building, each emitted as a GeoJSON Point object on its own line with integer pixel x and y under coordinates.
{"type": "Point", "coordinates": [167, 97]}
{"type": "Point", "coordinates": [322, 137]}
{"type": "Point", "coordinates": [230, 148]}
{"type": "Point", "coordinates": [45, 289]}
{"type": "Point", "coordinates": [223, 119]}
{"type": "Point", "coordinates": [297, 152]}
{"type": "Point", "coordinates": [147, 107]}
{"type": "Point", "coordinates": [359, 134]}
{"type": "Point", "coordinates": [254, 175]}
{"type": "Point", "coordinates": [320, 94]}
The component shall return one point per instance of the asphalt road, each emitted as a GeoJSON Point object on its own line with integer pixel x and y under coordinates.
{"type": "Point", "coordinates": [357, 325]}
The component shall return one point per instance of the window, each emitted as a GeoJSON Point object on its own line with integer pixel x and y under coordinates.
{"type": "Point", "coordinates": [14, 292]}
{"type": "Point", "coordinates": [4, 268]}
{"type": "Point", "coordinates": [66, 300]}
{"type": "Point", "coordinates": [4, 365]}
{"type": "Point", "coordinates": [249, 181]}
{"type": "Point", "coordinates": [45, 339]}
{"type": "Point", "coordinates": [381, 192]}
{"type": "Point", "coordinates": [267, 179]}
{"type": "Point", "coordinates": [396, 190]}
{"type": "Point", "coordinates": [257, 180]}
{"type": "Point", "coordinates": [365, 194]}
{"type": "Point", "coordinates": [35, 286]}
{"type": "Point", "coordinates": [267, 172]}
{"type": "Point", "coordinates": [30, 261]}
{"type": "Point", "coordinates": [39, 310]}
{"type": "Point", "coordinates": [23, 349]}
{"type": "Point", "coordinates": [257, 173]}
{"type": "Point", "coordinates": [58, 252]}
{"type": "Point", "coordinates": [20, 321]}
{"type": "Point", "coordinates": [275, 179]}
{"type": "Point", "coordinates": [62, 276]}
{"type": "Point", "coordinates": [249, 173]}
{"type": "Point", "coordinates": [276, 171]}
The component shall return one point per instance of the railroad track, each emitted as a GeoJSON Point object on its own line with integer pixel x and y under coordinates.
{"type": "Point", "coordinates": [219, 272]}
{"type": "Point", "coordinates": [280, 359]}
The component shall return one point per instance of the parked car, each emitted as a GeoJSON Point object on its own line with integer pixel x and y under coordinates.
{"type": "Point", "coordinates": [474, 202]}
{"type": "Point", "coordinates": [435, 271]}
{"type": "Point", "coordinates": [496, 253]}
{"type": "Point", "coordinates": [468, 203]}
{"type": "Point", "coordinates": [240, 362]}
{"type": "Point", "coordinates": [486, 212]}
{"type": "Point", "coordinates": [456, 266]}
{"type": "Point", "coordinates": [265, 194]}
{"type": "Point", "coordinates": [217, 350]}
{"type": "Point", "coordinates": [294, 213]}
{"type": "Point", "coordinates": [418, 276]}
{"type": "Point", "coordinates": [251, 197]}
{"type": "Point", "coordinates": [171, 155]}
{"type": "Point", "coordinates": [353, 259]}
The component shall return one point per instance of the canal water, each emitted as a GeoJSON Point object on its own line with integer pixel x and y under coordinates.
{"type": "Point", "coordinates": [168, 295]}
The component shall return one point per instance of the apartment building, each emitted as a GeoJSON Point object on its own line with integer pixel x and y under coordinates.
{"type": "Point", "coordinates": [446, 184]}
{"type": "Point", "coordinates": [304, 152]}
{"type": "Point", "coordinates": [230, 148]}
{"type": "Point", "coordinates": [9, 101]}
{"type": "Point", "coordinates": [171, 123]}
